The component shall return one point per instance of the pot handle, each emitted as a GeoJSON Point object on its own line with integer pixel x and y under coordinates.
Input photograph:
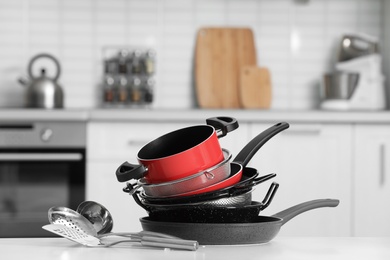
{"type": "Point", "coordinates": [255, 181]}
{"type": "Point", "coordinates": [290, 213]}
{"type": "Point", "coordinates": [127, 171]}
{"type": "Point", "coordinates": [246, 154]}
{"type": "Point", "coordinates": [223, 124]}
{"type": "Point", "coordinates": [270, 195]}
{"type": "Point", "coordinates": [138, 201]}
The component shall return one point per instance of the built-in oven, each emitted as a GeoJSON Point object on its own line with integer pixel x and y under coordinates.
{"type": "Point", "coordinates": [42, 164]}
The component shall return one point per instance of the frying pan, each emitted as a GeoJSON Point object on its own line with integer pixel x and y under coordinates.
{"type": "Point", "coordinates": [219, 197]}
{"type": "Point", "coordinates": [263, 229]}
{"type": "Point", "coordinates": [201, 214]}
{"type": "Point", "coordinates": [180, 153]}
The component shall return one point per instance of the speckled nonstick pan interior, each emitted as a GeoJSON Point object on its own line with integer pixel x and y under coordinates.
{"type": "Point", "coordinates": [262, 230]}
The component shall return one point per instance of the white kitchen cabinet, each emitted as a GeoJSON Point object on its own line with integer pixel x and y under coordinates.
{"type": "Point", "coordinates": [312, 161]}
{"type": "Point", "coordinates": [372, 180]}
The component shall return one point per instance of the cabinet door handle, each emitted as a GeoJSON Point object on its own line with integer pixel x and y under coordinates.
{"type": "Point", "coordinates": [382, 163]}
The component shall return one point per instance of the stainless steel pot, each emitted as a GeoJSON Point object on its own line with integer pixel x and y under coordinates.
{"type": "Point", "coordinates": [42, 91]}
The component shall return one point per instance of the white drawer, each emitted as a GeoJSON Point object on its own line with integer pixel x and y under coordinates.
{"type": "Point", "coordinates": [118, 142]}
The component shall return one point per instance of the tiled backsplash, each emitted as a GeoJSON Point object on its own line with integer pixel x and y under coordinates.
{"type": "Point", "coordinates": [297, 41]}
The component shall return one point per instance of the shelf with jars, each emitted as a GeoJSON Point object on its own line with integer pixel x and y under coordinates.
{"type": "Point", "coordinates": [128, 78]}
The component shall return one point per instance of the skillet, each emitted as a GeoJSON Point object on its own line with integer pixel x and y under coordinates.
{"type": "Point", "coordinates": [262, 230]}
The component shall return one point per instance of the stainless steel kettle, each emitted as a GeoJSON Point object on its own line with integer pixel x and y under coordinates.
{"type": "Point", "coordinates": [42, 91]}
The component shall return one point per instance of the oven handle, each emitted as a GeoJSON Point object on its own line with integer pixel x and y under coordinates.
{"type": "Point", "coordinates": [41, 156]}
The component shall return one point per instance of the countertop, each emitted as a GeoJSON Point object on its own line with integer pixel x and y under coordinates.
{"type": "Point", "coordinates": [194, 115]}
{"type": "Point", "coordinates": [290, 248]}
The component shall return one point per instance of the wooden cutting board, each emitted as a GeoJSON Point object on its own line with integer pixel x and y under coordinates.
{"type": "Point", "coordinates": [220, 53]}
{"type": "Point", "coordinates": [255, 87]}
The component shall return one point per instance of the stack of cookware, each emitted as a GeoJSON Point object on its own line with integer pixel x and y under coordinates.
{"type": "Point", "coordinates": [185, 175]}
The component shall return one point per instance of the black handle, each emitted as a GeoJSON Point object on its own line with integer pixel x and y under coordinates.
{"type": "Point", "coordinates": [246, 154]}
{"type": "Point", "coordinates": [223, 123]}
{"type": "Point", "coordinates": [127, 171]}
{"type": "Point", "coordinates": [139, 202]}
{"type": "Point", "coordinates": [255, 181]}
{"type": "Point", "coordinates": [270, 195]}
{"type": "Point", "coordinates": [287, 214]}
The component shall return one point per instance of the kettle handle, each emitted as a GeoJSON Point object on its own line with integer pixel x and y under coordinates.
{"type": "Point", "coordinates": [44, 55]}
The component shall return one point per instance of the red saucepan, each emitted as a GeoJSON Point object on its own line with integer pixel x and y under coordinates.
{"type": "Point", "coordinates": [180, 153]}
{"type": "Point", "coordinates": [263, 229]}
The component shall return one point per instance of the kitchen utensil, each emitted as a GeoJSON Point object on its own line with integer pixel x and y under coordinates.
{"type": "Point", "coordinates": [150, 239]}
{"type": "Point", "coordinates": [180, 153]}
{"type": "Point", "coordinates": [205, 178]}
{"type": "Point", "coordinates": [255, 87]}
{"type": "Point", "coordinates": [263, 229]}
{"type": "Point", "coordinates": [96, 214]}
{"type": "Point", "coordinates": [74, 226]}
{"type": "Point", "coordinates": [241, 160]}
{"type": "Point", "coordinates": [237, 195]}
{"type": "Point", "coordinates": [219, 55]}
{"type": "Point", "coordinates": [340, 84]}
{"type": "Point", "coordinates": [71, 219]}
{"type": "Point", "coordinates": [42, 91]}
{"type": "Point", "coordinates": [357, 45]}
{"type": "Point", "coordinates": [201, 214]}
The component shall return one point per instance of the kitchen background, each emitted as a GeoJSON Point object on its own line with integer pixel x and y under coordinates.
{"type": "Point", "coordinates": [296, 40]}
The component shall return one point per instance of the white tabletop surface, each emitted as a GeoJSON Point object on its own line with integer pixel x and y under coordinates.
{"type": "Point", "coordinates": [280, 248]}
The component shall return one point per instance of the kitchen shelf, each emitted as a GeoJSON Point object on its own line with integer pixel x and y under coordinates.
{"type": "Point", "coordinates": [196, 115]}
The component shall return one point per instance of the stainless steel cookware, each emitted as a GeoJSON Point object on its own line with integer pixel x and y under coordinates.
{"type": "Point", "coordinates": [43, 91]}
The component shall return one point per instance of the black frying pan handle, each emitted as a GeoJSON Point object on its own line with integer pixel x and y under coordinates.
{"type": "Point", "coordinates": [127, 171]}
{"type": "Point", "coordinates": [291, 212]}
{"type": "Point", "coordinates": [223, 123]}
{"type": "Point", "coordinates": [246, 154]}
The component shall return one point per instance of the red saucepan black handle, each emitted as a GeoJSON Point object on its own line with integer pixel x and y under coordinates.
{"type": "Point", "coordinates": [127, 171]}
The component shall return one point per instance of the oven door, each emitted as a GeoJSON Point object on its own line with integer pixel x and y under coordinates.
{"type": "Point", "coordinates": [32, 181]}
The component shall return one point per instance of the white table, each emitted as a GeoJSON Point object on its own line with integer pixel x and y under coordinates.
{"type": "Point", "coordinates": [330, 248]}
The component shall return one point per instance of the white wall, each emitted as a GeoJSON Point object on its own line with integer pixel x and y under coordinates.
{"type": "Point", "coordinates": [296, 41]}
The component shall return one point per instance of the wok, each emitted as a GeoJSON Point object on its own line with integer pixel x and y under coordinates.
{"type": "Point", "coordinates": [263, 229]}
